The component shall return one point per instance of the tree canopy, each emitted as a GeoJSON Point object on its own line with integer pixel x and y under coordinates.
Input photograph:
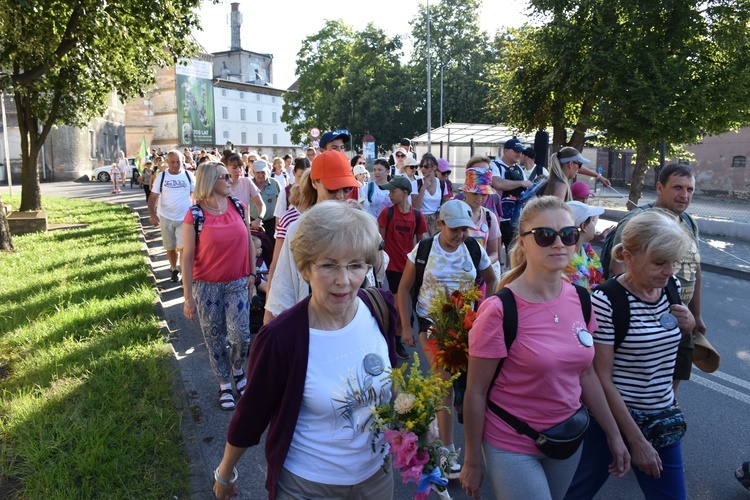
{"type": "Point", "coordinates": [61, 61]}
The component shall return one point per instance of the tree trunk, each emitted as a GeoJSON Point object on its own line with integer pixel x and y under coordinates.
{"type": "Point", "coordinates": [6, 240]}
{"type": "Point", "coordinates": [559, 137]}
{"type": "Point", "coordinates": [31, 140]}
{"type": "Point", "coordinates": [579, 132]}
{"type": "Point", "coordinates": [644, 152]}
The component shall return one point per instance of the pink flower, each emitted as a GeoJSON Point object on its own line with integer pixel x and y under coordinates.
{"type": "Point", "coordinates": [422, 496]}
{"type": "Point", "coordinates": [412, 474]}
{"type": "Point", "coordinates": [403, 447]}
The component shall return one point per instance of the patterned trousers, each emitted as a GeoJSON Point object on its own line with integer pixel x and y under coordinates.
{"type": "Point", "coordinates": [224, 316]}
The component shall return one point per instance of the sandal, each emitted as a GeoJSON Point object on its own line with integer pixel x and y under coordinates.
{"type": "Point", "coordinates": [226, 399]}
{"type": "Point", "coordinates": [241, 383]}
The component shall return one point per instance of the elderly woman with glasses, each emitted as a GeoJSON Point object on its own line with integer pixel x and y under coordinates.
{"type": "Point", "coordinates": [216, 264]}
{"type": "Point", "coordinates": [545, 376]}
{"type": "Point", "coordinates": [429, 193]}
{"type": "Point", "coordinates": [318, 369]}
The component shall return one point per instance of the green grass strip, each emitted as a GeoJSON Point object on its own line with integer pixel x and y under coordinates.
{"type": "Point", "coordinates": [86, 408]}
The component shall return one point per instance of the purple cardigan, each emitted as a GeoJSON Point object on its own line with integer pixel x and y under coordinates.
{"type": "Point", "coordinates": [276, 381]}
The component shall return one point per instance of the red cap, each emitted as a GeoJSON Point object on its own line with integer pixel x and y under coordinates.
{"type": "Point", "coordinates": [333, 169]}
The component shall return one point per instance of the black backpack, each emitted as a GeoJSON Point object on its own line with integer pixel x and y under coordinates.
{"type": "Point", "coordinates": [423, 254]}
{"type": "Point", "coordinates": [609, 242]}
{"type": "Point", "coordinates": [390, 217]}
{"type": "Point", "coordinates": [618, 298]}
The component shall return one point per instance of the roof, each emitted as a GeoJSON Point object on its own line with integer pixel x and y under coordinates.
{"type": "Point", "coordinates": [248, 87]}
{"type": "Point", "coordinates": [463, 133]}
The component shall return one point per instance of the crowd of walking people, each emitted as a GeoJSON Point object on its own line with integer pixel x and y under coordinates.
{"type": "Point", "coordinates": [580, 350]}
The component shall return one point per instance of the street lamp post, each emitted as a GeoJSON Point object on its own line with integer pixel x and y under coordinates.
{"type": "Point", "coordinates": [429, 90]}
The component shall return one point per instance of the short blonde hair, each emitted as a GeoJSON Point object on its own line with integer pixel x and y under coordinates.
{"type": "Point", "coordinates": [205, 179]}
{"type": "Point", "coordinates": [334, 228]}
{"type": "Point", "coordinates": [656, 234]}
{"type": "Point", "coordinates": [477, 159]}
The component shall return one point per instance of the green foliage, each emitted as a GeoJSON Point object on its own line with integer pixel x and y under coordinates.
{"type": "Point", "coordinates": [458, 44]}
{"type": "Point", "coordinates": [61, 61]}
{"type": "Point", "coordinates": [85, 376]}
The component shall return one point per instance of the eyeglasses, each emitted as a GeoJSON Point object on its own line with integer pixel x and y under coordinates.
{"type": "Point", "coordinates": [226, 177]}
{"type": "Point", "coordinates": [413, 167]}
{"type": "Point", "coordinates": [446, 173]}
{"type": "Point", "coordinates": [330, 269]}
{"type": "Point", "coordinates": [545, 236]}
{"type": "Point", "coordinates": [400, 155]}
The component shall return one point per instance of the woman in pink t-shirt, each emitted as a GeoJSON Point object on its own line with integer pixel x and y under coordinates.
{"type": "Point", "coordinates": [217, 263]}
{"type": "Point", "coordinates": [546, 373]}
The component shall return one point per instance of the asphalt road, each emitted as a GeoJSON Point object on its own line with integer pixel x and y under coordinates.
{"type": "Point", "coordinates": [717, 406]}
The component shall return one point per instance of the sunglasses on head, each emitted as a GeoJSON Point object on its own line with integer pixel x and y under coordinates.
{"type": "Point", "coordinates": [545, 236]}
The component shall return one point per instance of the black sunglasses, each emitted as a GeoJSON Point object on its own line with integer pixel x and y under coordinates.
{"type": "Point", "coordinates": [400, 156]}
{"type": "Point", "coordinates": [226, 177]}
{"type": "Point", "coordinates": [545, 236]}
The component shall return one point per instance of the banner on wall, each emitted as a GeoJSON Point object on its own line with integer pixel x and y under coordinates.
{"type": "Point", "coordinates": [195, 103]}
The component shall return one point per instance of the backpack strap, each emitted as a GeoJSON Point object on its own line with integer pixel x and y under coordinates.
{"type": "Point", "coordinates": [190, 181]}
{"type": "Point", "coordinates": [379, 307]}
{"type": "Point", "coordinates": [442, 189]}
{"type": "Point", "coordinates": [489, 220]}
{"type": "Point", "coordinates": [419, 184]}
{"type": "Point", "coordinates": [370, 191]}
{"type": "Point", "coordinates": [673, 294]}
{"type": "Point", "coordinates": [389, 217]}
{"type": "Point", "coordinates": [475, 251]}
{"type": "Point", "coordinates": [618, 299]}
{"type": "Point", "coordinates": [198, 220]}
{"type": "Point", "coordinates": [238, 205]}
{"type": "Point", "coordinates": [423, 254]}
{"type": "Point", "coordinates": [585, 297]}
{"type": "Point", "coordinates": [416, 221]}
{"type": "Point", "coordinates": [161, 182]}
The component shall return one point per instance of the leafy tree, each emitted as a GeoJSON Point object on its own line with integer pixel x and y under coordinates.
{"type": "Point", "coordinates": [321, 66]}
{"type": "Point", "coordinates": [61, 61]}
{"type": "Point", "coordinates": [354, 81]}
{"type": "Point", "coordinates": [639, 71]}
{"type": "Point", "coordinates": [463, 49]}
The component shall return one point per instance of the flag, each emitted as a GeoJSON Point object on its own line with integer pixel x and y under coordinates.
{"type": "Point", "coordinates": [142, 154]}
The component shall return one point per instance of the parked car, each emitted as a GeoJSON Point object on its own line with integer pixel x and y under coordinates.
{"type": "Point", "coordinates": [102, 173]}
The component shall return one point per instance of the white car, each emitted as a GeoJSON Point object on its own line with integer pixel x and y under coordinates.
{"type": "Point", "coordinates": [102, 173]}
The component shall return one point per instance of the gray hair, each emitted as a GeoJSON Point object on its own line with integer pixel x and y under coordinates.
{"type": "Point", "coordinates": [656, 234]}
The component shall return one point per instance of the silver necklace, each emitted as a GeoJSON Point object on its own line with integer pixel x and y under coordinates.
{"type": "Point", "coordinates": [218, 209]}
{"type": "Point", "coordinates": [554, 316]}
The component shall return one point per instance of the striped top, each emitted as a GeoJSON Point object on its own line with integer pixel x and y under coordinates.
{"type": "Point", "coordinates": [291, 215]}
{"type": "Point", "coordinates": [644, 362]}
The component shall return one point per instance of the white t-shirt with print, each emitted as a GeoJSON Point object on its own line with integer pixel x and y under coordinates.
{"type": "Point", "coordinates": [447, 269]}
{"type": "Point", "coordinates": [174, 194]}
{"type": "Point", "coordinates": [332, 442]}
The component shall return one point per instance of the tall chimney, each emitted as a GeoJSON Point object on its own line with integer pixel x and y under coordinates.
{"type": "Point", "coordinates": [235, 21]}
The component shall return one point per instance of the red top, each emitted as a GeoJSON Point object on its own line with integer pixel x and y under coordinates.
{"type": "Point", "coordinates": [400, 235]}
{"type": "Point", "coordinates": [221, 254]}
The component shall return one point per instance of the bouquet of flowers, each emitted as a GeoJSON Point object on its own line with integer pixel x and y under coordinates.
{"type": "Point", "coordinates": [409, 427]}
{"type": "Point", "coordinates": [452, 317]}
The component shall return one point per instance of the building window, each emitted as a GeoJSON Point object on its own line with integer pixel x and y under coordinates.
{"type": "Point", "coordinates": [273, 117]}
{"type": "Point", "coordinates": [275, 138]}
{"type": "Point", "coordinates": [242, 95]}
{"type": "Point", "coordinates": [273, 99]}
{"type": "Point", "coordinates": [242, 114]}
{"type": "Point", "coordinates": [244, 137]}
{"type": "Point", "coordinates": [257, 97]}
{"type": "Point", "coordinates": [223, 92]}
{"type": "Point", "coordinates": [260, 137]}
{"type": "Point", "coordinates": [225, 134]}
{"type": "Point", "coordinates": [260, 116]}
{"type": "Point", "coordinates": [225, 112]}
{"type": "Point", "coordinates": [739, 162]}
{"type": "Point", "coordinates": [92, 144]}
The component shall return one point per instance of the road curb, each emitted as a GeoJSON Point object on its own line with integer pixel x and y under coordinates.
{"type": "Point", "coordinates": [198, 476]}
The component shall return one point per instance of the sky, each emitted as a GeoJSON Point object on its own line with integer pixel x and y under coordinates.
{"type": "Point", "coordinates": [278, 27]}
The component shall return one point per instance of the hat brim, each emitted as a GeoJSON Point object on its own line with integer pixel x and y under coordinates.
{"type": "Point", "coordinates": [477, 189]}
{"type": "Point", "coordinates": [459, 222]}
{"type": "Point", "coordinates": [336, 183]}
{"type": "Point", "coordinates": [578, 158]}
{"type": "Point", "coordinates": [390, 187]}
{"type": "Point", "coordinates": [705, 357]}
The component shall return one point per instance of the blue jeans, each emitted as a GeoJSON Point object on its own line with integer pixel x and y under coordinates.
{"type": "Point", "coordinates": [596, 457]}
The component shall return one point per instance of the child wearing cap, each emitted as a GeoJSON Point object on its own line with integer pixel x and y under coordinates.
{"type": "Point", "coordinates": [449, 264]}
{"type": "Point", "coordinates": [476, 189]}
{"type": "Point", "coordinates": [585, 269]}
{"type": "Point", "coordinates": [401, 227]}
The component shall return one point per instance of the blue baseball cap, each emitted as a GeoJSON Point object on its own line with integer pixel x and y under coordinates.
{"type": "Point", "coordinates": [331, 136]}
{"type": "Point", "coordinates": [515, 145]}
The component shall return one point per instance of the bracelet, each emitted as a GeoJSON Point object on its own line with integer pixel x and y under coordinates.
{"type": "Point", "coordinates": [224, 482]}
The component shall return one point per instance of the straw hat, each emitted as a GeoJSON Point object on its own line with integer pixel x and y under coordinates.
{"type": "Point", "coordinates": [705, 357]}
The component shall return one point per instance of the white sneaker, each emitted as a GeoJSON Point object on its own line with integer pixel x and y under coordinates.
{"type": "Point", "coordinates": [444, 495]}
{"type": "Point", "coordinates": [449, 462]}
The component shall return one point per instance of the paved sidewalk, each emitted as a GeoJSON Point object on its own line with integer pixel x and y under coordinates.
{"type": "Point", "coordinates": [204, 425]}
